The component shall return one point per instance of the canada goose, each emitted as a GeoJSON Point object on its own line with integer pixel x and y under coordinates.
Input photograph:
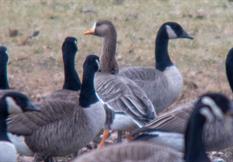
{"type": "Point", "coordinates": [217, 134]}
{"type": "Point", "coordinates": [61, 128]}
{"type": "Point", "coordinates": [3, 70]}
{"type": "Point", "coordinates": [4, 84]}
{"type": "Point", "coordinates": [209, 107]}
{"type": "Point", "coordinates": [18, 141]}
{"type": "Point", "coordinates": [72, 85]}
{"type": "Point", "coordinates": [10, 103]}
{"type": "Point", "coordinates": [162, 84]}
{"type": "Point", "coordinates": [128, 101]}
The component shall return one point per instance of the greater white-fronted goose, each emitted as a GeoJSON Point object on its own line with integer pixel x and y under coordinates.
{"type": "Point", "coordinates": [162, 84]}
{"type": "Point", "coordinates": [203, 113]}
{"type": "Point", "coordinates": [218, 134]}
{"type": "Point", "coordinates": [128, 101]}
{"type": "Point", "coordinates": [63, 127]}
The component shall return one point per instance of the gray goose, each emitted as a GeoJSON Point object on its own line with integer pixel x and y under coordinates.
{"type": "Point", "coordinates": [72, 84]}
{"type": "Point", "coordinates": [63, 127]}
{"type": "Point", "coordinates": [194, 143]}
{"type": "Point", "coordinates": [121, 95]}
{"type": "Point", "coordinates": [218, 135]}
{"type": "Point", "coordinates": [11, 103]}
{"type": "Point", "coordinates": [162, 84]}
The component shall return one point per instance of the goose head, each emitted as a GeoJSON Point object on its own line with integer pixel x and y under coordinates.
{"type": "Point", "coordinates": [213, 106]}
{"type": "Point", "coordinates": [3, 55]}
{"type": "Point", "coordinates": [173, 30]}
{"type": "Point", "coordinates": [92, 63]}
{"type": "Point", "coordinates": [15, 102]}
{"type": "Point", "coordinates": [101, 28]}
{"type": "Point", "coordinates": [69, 46]}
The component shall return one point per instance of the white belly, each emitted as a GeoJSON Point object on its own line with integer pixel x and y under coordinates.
{"type": "Point", "coordinates": [122, 122]}
{"type": "Point", "coordinates": [20, 145]}
{"type": "Point", "coordinates": [8, 152]}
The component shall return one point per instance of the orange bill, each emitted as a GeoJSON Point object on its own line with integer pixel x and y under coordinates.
{"type": "Point", "coordinates": [89, 32]}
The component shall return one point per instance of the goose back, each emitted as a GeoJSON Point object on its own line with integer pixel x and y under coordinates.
{"type": "Point", "coordinates": [132, 152]}
{"type": "Point", "coordinates": [123, 95]}
{"type": "Point", "coordinates": [217, 134]}
{"type": "Point", "coordinates": [164, 83]}
{"type": "Point", "coordinates": [66, 119]}
{"type": "Point", "coordinates": [162, 88]}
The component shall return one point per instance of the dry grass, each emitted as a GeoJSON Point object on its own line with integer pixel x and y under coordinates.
{"type": "Point", "coordinates": [36, 65]}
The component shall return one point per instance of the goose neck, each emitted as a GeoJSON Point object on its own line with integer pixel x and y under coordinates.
{"type": "Point", "coordinates": [162, 57]}
{"type": "Point", "coordinates": [71, 81]}
{"type": "Point", "coordinates": [108, 61]}
{"type": "Point", "coordinates": [4, 78]}
{"type": "Point", "coordinates": [87, 94]}
{"type": "Point", "coordinates": [3, 128]}
{"type": "Point", "coordinates": [194, 145]}
{"type": "Point", "coordinates": [229, 70]}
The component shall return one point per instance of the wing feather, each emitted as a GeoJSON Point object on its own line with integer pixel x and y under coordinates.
{"type": "Point", "coordinates": [123, 95]}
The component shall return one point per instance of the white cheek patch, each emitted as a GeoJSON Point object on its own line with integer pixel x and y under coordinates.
{"type": "Point", "coordinates": [94, 26]}
{"type": "Point", "coordinates": [98, 63]}
{"type": "Point", "coordinates": [13, 108]}
{"type": "Point", "coordinates": [75, 42]}
{"type": "Point", "coordinates": [7, 52]}
{"type": "Point", "coordinates": [170, 32]}
{"type": "Point", "coordinates": [211, 103]}
{"type": "Point", "coordinates": [207, 114]}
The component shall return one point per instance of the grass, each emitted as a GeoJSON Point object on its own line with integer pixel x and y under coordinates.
{"type": "Point", "coordinates": [36, 65]}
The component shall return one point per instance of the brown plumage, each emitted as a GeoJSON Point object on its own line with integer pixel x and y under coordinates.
{"type": "Point", "coordinates": [121, 94]}
{"type": "Point", "coordinates": [71, 87]}
{"type": "Point", "coordinates": [63, 127]}
{"type": "Point", "coordinates": [132, 152]}
{"type": "Point", "coordinates": [163, 83]}
{"type": "Point", "coordinates": [218, 134]}
{"type": "Point", "coordinates": [209, 108]}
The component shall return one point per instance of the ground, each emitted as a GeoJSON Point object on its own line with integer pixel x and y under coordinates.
{"type": "Point", "coordinates": [34, 30]}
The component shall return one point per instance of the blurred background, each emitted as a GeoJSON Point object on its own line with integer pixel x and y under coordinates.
{"type": "Point", "coordinates": [34, 31]}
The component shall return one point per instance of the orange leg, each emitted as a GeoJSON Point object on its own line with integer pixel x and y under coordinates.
{"type": "Point", "coordinates": [129, 138]}
{"type": "Point", "coordinates": [106, 134]}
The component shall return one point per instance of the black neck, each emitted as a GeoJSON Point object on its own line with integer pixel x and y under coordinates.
{"type": "Point", "coordinates": [3, 126]}
{"type": "Point", "coordinates": [162, 57]}
{"type": "Point", "coordinates": [72, 81]}
{"type": "Point", "coordinates": [229, 69]}
{"type": "Point", "coordinates": [108, 61]}
{"type": "Point", "coordinates": [194, 145]}
{"type": "Point", "coordinates": [87, 94]}
{"type": "Point", "coordinates": [3, 77]}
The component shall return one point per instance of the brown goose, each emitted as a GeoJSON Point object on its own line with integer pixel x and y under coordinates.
{"type": "Point", "coordinates": [72, 85]}
{"type": "Point", "coordinates": [63, 127]}
{"type": "Point", "coordinates": [11, 103]}
{"type": "Point", "coordinates": [128, 101]}
{"type": "Point", "coordinates": [5, 89]}
{"type": "Point", "coordinates": [218, 135]}
{"type": "Point", "coordinates": [194, 143]}
{"type": "Point", "coordinates": [164, 83]}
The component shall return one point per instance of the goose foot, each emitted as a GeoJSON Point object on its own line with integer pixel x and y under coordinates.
{"type": "Point", "coordinates": [106, 134]}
